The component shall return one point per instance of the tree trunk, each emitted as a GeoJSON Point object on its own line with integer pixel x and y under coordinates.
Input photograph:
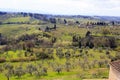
{"type": "Point", "coordinates": [7, 78]}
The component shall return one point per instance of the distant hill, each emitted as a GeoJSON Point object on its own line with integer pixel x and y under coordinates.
{"type": "Point", "coordinates": [46, 17]}
{"type": "Point", "coordinates": [107, 18]}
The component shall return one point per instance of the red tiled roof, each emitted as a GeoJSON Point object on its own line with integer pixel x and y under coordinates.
{"type": "Point", "coordinates": [116, 65]}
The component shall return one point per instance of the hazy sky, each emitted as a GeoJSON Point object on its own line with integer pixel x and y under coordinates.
{"type": "Point", "coordinates": [67, 7]}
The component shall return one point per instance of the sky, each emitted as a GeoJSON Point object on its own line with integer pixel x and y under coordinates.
{"type": "Point", "coordinates": [63, 7]}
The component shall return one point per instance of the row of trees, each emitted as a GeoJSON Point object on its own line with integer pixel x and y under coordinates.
{"type": "Point", "coordinates": [10, 70]}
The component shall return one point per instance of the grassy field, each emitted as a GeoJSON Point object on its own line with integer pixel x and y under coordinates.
{"type": "Point", "coordinates": [18, 19]}
{"type": "Point", "coordinates": [15, 30]}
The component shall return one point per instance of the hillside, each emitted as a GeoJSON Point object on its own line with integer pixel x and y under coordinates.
{"type": "Point", "coordinates": [57, 47]}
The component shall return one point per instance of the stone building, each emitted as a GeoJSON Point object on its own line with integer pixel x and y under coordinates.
{"type": "Point", "coordinates": [114, 73]}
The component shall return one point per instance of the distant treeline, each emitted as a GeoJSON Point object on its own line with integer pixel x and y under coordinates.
{"type": "Point", "coordinates": [3, 13]}
{"type": "Point", "coordinates": [57, 18]}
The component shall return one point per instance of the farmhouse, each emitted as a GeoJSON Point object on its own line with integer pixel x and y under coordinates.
{"type": "Point", "coordinates": [114, 73]}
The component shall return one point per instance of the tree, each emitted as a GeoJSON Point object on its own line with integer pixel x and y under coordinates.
{"type": "Point", "coordinates": [47, 29]}
{"type": "Point", "coordinates": [53, 20]}
{"type": "Point", "coordinates": [54, 39]}
{"type": "Point", "coordinates": [68, 66]}
{"type": "Point", "coordinates": [7, 74]}
{"type": "Point", "coordinates": [55, 26]}
{"type": "Point", "coordinates": [59, 53]}
{"type": "Point", "coordinates": [89, 44]}
{"type": "Point", "coordinates": [65, 21]}
{"type": "Point", "coordinates": [9, 70]}
{"type": "Point", "coordinates": [88, 33]}
{"type": "Point", "coordinates": [0, 23]}
{"type": "Point", "coordinates": [112, 42]}
{"type": "Point", "coordinates": [100, 63]}
{"type": "Point", "coordinates": [0, 35]}
{"type": "Point", "coordinates": [58, 69]}
{"type": "Point", "coordinates": [77, 22]}
{"type": "Point", "coordinates": [19, 71]}
{"type": "Point", "coordinates": [113, 23]}
{"type": "Point", "coordinates": [76, 38]}
{"type": "Point", "coordinates": [38, 73]}
{"type": "Point", "coordinates": [44, 71]}
{"type": "Point", "coordinates": [31, 68]}
{"type": "Point", "coordinates": [8, 66]}
{"type": "Point", "coordinates": [67, 55]}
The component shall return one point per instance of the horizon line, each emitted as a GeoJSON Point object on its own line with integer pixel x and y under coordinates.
{"type": "Point", "coordinates": [45, 13]}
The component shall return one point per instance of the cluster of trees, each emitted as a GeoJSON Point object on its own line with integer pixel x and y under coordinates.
{"type": "Point", "coordinates": [94, 41]}
{"type": "Point", "coordinates": [27, 42]}
{"type": "Point", "coordinates": [97, 23]}
{"type": "Point", "coordinates": [113, 23]}
{"type": "Point", "coordinates": [10, 70]}
{"type": "Point", "coordinates": [98, 42]}
{"type": "Point", "coordinates": [3, 40]}
{"type": "Point", "coordinates": [3, 13]}
{"type": "Point", "coordinates": [53, 20]}
{"type": "Point", "coordinates": [35, 15]}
